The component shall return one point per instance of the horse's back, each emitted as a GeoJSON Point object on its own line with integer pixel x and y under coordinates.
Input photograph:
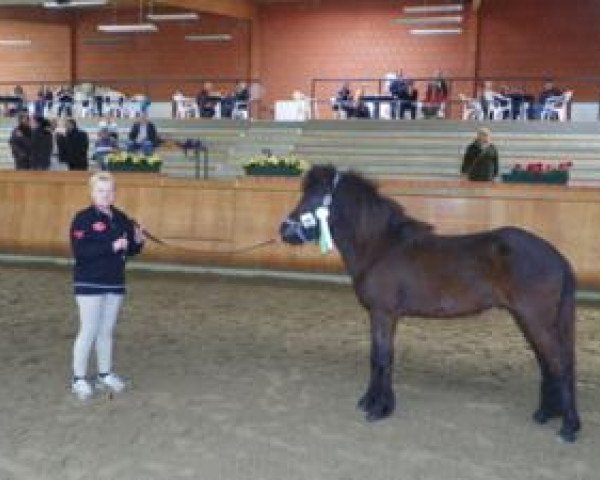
{"type": "Point", "coordinates": [446, 275]}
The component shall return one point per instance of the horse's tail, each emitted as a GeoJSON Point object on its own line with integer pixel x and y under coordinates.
{"type": "Point", "coordinates": [566, 329]}
{"type": "Point", "coordinates": [566, 322]}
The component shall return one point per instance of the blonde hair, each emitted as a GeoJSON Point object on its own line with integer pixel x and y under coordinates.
{"type": "Point", "coordinates": [99, 177]}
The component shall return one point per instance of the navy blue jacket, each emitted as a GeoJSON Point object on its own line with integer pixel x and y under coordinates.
{"type": "Point", "coordinates": [98, 269]}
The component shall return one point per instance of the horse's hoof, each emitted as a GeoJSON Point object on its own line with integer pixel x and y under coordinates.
{"type": "Point", "coordinates": [378, 414]}
{"type": "Point", "coordinates": [363, 403]}
{"type": "Point", "coordinates": [380, 408]}
{"type": "Point", "coordinates": [567, 435]}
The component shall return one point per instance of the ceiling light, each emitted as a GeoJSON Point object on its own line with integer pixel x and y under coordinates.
{"type": "Point", "coordinates": [214, 37]}
{"type": "Point", "coordinates": [429, 20]}
{"type": "Point", "coordinates": [128, 28]}
{"type": "Point", "coordinates": [166, 17]}
{"type": "Point", "coordinates": [75, 3]}
{"type": "Point", "coordinates": [104, 41]}
{"type": "Point", "coordinates": [15, 42]}
{"type": "Point", "coordinates": [436, 31]}
{"type": "Point", "coordinates": [434, 8]}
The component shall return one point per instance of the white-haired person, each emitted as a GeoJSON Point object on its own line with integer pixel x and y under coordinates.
{"type": "Point", "coordinates": [102, 238]}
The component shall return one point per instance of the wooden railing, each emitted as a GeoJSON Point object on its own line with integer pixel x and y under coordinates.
{"type": "Point", "coordinates": [207, 220]}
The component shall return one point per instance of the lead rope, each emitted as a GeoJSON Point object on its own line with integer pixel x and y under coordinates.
{"type": "Point", "coordinates": [164, 243]}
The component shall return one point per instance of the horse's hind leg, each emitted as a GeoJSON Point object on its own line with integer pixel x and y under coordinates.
{"type": "Point", "coordinates": [379, 400]}
{"type": "Point", "coordinates": [550, 334]}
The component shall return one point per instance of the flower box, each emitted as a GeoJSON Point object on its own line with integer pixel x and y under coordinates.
{"type": "Point", "coordinates": [132, 162]}
{"type": "Point", "coordinates": [133, 167]}
{"type": "Point", "coordinates": [539, 173]}
{"type": "Point", "coordinates": [272, 171]}
{"type": "Point", "coordinates": [270, 165]}
{"type": "Point", "coordinates": [555, 177]}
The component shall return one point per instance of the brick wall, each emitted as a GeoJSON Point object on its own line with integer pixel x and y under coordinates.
{"type": "Point", "coordinates": [350, 38]}
{"type": "Point", "coordinates": [323, 38]}
{"type": "Point", "coordinates": [47, 59]}
{"type": "Point", "coordinates": [553, 38]}
{"type": "Point", "coordinates": [163, 54]}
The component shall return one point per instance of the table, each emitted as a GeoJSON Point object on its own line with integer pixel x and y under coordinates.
{"type": "Point", "coordinates": [292, 110]}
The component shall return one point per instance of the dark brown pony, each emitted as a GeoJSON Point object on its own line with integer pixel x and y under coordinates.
{"type": "Point", "coordinates": [399, 266]}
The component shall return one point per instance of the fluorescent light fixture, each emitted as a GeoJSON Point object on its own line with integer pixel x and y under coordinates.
{"type": "Point", "coordinates": [434, 8]}
{"type": "Point", "coordinates": [172, 17]}
{"type": "Point", "coordinates": [104, 41]}
{"type": "Point", "coordinates": [213, 37]}
{"type": "Point", "coordinates": [436, 31]}
{"type": "Point", "coordinates": [75, 3]}
{"type": "Point", "coordinates": [128, 28]}
{"type": "Point", "coordinates": [14, 42]}
{"type": "Point", "coordinates": [429, 20]}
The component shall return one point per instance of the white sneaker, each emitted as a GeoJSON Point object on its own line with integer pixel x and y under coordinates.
{"type": "Point", "coordinates": [82, 389]}
{"type": "Point", "coordinates": [111, 381]}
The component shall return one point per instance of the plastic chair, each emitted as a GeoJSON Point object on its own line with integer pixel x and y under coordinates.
{"type": "Point", "coordinates": [240, 110]}
{"type": "Point", "coordinates": [472, 109]}
{"type": "Point", "coordinates": [556, 107]}
{"type": "Point", "coordinates": [499, 106]}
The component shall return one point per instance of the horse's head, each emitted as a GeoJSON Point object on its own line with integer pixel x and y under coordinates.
{"type": "Point", "coordinates": [302, 224]}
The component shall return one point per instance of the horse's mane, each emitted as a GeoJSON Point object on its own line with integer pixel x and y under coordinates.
{"type": "Point", "coordinates": [371, 213]}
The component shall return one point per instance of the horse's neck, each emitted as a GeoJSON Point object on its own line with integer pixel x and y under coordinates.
{"type": "Point", "coordinates": [357, 257]}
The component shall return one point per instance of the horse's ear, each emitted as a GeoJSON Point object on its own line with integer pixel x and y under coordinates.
{"type": "Point", "coordinates": [319, 175]}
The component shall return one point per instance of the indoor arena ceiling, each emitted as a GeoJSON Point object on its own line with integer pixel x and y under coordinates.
{"type": "Point", "coordinates": [237, 8]}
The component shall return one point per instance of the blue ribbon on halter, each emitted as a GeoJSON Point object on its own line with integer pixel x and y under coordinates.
{"type": "Point", "coordinates": [322, 213]}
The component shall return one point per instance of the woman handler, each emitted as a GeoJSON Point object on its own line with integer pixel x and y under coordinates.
{"type": "Point", "coordinates": [102, 237]}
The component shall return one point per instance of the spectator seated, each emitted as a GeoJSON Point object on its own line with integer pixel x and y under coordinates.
{"type": "Point", "coordinates": [555, 107]}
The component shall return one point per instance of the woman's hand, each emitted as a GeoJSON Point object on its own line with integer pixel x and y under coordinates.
{"type": "Point", "coordinates": [120, 244]}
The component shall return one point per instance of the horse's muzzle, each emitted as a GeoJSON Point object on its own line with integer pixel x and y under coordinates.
{"type": "Point", "coordinates": [291, 232]}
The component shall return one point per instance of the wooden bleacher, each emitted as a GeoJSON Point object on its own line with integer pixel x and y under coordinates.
{"type": "Point", "coordinates": [402, 149]}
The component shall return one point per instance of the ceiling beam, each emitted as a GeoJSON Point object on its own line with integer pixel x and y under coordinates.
{"type": "Point", "coordinates": [244, 9]}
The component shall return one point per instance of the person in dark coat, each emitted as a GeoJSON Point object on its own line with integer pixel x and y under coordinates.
{"type": "Point", "coordinates": [41, 144]}
{"type": "Point", "coordinates": [206, 105]}
{"type": "Point", "coordinates": [73, 147]}
{"type": "Point", "coordinates": [143, 136]}
{"type": "Point", "coordinates": [480, 162]}
{"type": "Point", "coordinates": [408, 100]}
{"type": "Point", "coordinates": [20, 143]}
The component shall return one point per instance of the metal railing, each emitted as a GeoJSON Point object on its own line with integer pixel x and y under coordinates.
{"type": "Point", "coordinates": [586, 89]}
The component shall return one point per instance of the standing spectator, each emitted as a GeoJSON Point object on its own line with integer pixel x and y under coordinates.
{"type": "Point", "coordinates": [41, 144]}
{"type": "Point", "coordinates": [143, 136]}
{"type": "Point", "coordinates": [408, 100]}
{"type": "Point", "coordinates": [73, 147]}
{"type": "Point", "coordinates": [20, 143]}
{"type": "Point", "coordinates": [398, 88]}
{"type": "Point", "coordinates": [436, 96]}
{"type": "Point", "coordinates": [480, 162]}
{"type": "Point", "coordinates": [102, 238]}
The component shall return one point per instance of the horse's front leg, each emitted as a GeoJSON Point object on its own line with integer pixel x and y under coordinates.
{"type": "Point", "coordinates": [379, 400]}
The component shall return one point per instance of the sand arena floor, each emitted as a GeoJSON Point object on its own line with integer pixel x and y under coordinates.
{"type": "Point", "coordinates": [258, 380]}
